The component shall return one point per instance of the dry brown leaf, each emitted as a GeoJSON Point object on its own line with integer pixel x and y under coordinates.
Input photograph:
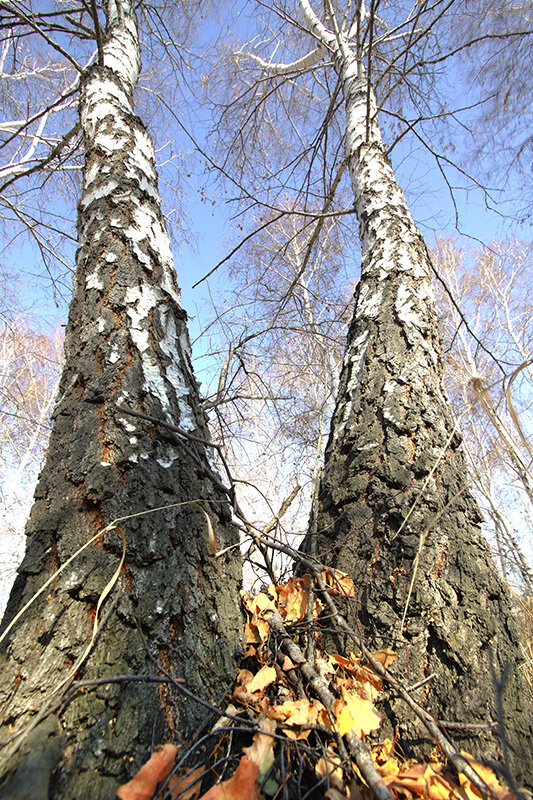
{"type": "Point", "coordinates": [368, 678]}
{"type": "Point", "coordinates": [386, 656]}
{"type": "Point", "coordinates": [349, 665]}
{"type": "Point", "coordinates": [424, 781]}
{"type": "Point", "coordinates": [257, 629]}
{"type": "Point", "coordinates": [187, 788]}
{"type": "Point", "coordinates": [156, 770]}
{"type": "Point", "coordinates": [287, 664]}
{"type": "Point", "coordinates": [241, 786]}
{"type": "Point", "coordinates": [338, 583]}
{"type": "Point", "coordinates": [244, 678]}
{"type": "Point", "coordinates": [293, 599]}
{"type": "Point", "coordinates": [253, 766]}
{"type": "Point", "coordinates": [260, 602]}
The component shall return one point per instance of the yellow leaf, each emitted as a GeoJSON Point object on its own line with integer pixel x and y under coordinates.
{"type": "Point", "coordinates": [385, 764]}
{"type": "Point", "coordinates": [261, 751]}
{"type": "Point", "coordinates": [257, 629]}
{"type": "Point", "coordinates": [423, 780]}
{"type": "Point", "coordinates": [262, 601]}
{"type": "Point", "coordinates": [297, 712]}
{"type": "Point", "coordinates": [251, 634]}
{"type": "Point", "coordinates": [262, 679]}
{"type": "Point", "coordinates": [354, 713]}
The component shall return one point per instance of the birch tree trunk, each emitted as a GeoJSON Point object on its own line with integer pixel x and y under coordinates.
{"type": "Point", "coordinates": [126, 345]}
{"type": "Point", "coordinates": [395, 510]}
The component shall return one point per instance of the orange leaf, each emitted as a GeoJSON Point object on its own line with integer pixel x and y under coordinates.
{"type": "Point", "coordinates": [338, 582]}
{"type": "Point", "coordinates": [287, 664]}
{"type": "Point", "coordinates": [252, 766]}
{"type": "Point", "coordinates": [241, 786]}
{"type": "Point", "coordinates": [347, 664]}
{"type": "Point", "coordinates": [386, 656]}
{"type": "Point", "coordinates": [156, 770]}
{"type": "Point", "coordinates": [297, 712]}
{"type": "Point", "coordinates": [487, 775]}
{"type": "Point", "coordinates": [257, 630]}
{"type": "Point", "coordinates": [293, 599]}
{"type": "Point", "coordinates": [187, 788]}
{"type": "Point", "coordinates": [422, 780]}
{"type": "Point", "coordinates": [383, 760]}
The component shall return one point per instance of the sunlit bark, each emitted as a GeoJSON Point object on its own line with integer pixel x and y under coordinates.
{"type": "Point", "coordinates": [126, 345]}
{"type": "Point", "coordinates": [395, 508]}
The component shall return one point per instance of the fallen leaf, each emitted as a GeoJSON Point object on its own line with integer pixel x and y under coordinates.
{"type": "Point", "coordinates": [261, 680]}
{"type": "Point", "coordinates": [386, 656]}
{"type": "Point", "coordinates": [297, 712]}
{"type": "Point", "coordinates": [241, 786]}
{"type": "Point", "coordinates": [187, 788]}
{"type": "Point", "coordinates": [261, 602]}
{"type": "Point", "coordinates": [261, 751]}
{"type": "Point", "coordinates": [383, 760]}
{"type": "Point", "coordinates": [287, 664]}
{"type": "Point", "coordinates": [156, 770]}
{"type": "Point", "coordinates": [330, 766]}
{"type": "Point", "coordinates": [353, 713]}
{"type": "Point", "coordinates": [338, 583]}
{"type": "Point", "coordinates": [368, 678]}
{"type": "Point", "coordinates": [253, 767]}
{"type": "Point", "coordinates": [257, 629]}
{"type": "Point", "coordinates": [487, 775]}
{"type": "Point", "coordinates": [424, 781]}
{"type": "Point", "coordinates": [349, 665]}
{"type": "Point", "coordinates": [241, 693]}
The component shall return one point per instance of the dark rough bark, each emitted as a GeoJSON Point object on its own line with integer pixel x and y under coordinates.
{"type": "Point", "coordinates": [126, 344]}
{"type": "Point", "coordinates": [394, 509]}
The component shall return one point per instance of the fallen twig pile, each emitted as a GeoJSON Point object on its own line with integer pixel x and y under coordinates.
{"type": "Point", "coordinates": [306, 717]}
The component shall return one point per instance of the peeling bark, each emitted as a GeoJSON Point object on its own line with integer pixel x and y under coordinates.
{"type": "Point", "coordinates": [394, 506]}
{"type": "Point", "coordinates": [126, 344]}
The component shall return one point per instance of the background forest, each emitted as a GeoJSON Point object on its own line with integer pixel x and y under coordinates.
{"type": "Point", "coordinates": [246, 113]}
